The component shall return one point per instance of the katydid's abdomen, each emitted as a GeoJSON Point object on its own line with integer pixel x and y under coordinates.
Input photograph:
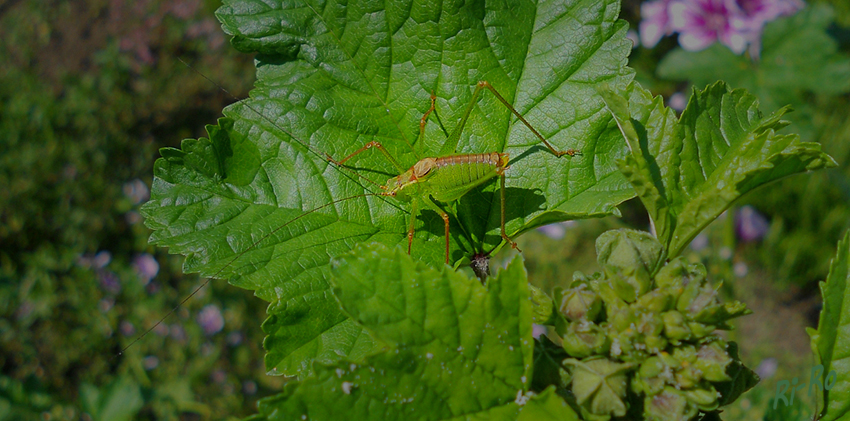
{"type": "Point", "coordinates": [456, 175]}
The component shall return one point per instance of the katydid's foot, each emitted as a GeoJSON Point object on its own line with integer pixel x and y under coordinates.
{"type": "Point", "coordinates": [332, 160]}
{"type": "Point", "coordinates": [446, 222]}
{"type": "Point", "coordinates": [570, 152]}
{"type": "Point", "coordinates": [511, 242]}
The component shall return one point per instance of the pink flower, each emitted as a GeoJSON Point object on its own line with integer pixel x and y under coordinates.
{"type": "Point", "coordinates": [211, 320]}
{"type": "Point", "coordinates": [137, 191]}
{"type": "Point", "coordinates": [127, 328]}
{"type": "Point", "coordinates": [754, 14]}
{"type": "Point", "coordinates": [750, 225]}
{"type": "Point", "coordinates": [702, 22]}
{"type": "Point", "coordinates": [763, 11]}
{"type": "Point", "coordinates": [109, 282]}
{"type": "Point", "coordinates": [146, 267]}
{"type": "Point", "coordinates": [655, 22]}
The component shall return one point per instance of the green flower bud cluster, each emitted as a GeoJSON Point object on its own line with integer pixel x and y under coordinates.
{"type": "Point", "coordinates": [640, 342]}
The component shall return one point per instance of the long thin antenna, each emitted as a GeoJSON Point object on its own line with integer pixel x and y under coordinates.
{"type": "Point", "coordinates": [238, 256]}
{"type": "Point", "coordinates": [313, 150]}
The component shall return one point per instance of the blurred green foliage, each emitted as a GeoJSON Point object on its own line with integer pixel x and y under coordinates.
{"type": "Point", "coordinates": [88, 92]}
{"type": "Point", "coordinates": [807, 214]}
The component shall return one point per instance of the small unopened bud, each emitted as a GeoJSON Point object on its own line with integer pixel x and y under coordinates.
{"type": "Point", "coordinates": [712, 360]}
{"type": "Point", "coordinates": [704, 397]}
{"type": "Point", "coordinates": [584, 339]}
{"type": "Point", "coordinates": [656, 301]}
{"type": "Point", "coordinates": [670, 405]}
{"type": "Point", "coordinates": [675, 327]}
{"type": "Point", "coordinates": [580, 303]}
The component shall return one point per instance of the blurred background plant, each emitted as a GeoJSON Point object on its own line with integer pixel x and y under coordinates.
{"type": "Point", "coordinates": [773, 247]}
{"type": "Point", "coordinates": [784, 52]}
{"type": "Point", "coordinates": [89, 90]}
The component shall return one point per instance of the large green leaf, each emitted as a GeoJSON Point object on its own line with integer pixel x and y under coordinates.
{"type": "Point", "coordinates": [456, 349]}
{"type": "Point", "coordinates": [830, 341]}
{"type": "Point", "coordinates": [332, 77]}
{"type": "Point", "coordinates": [687, 171]}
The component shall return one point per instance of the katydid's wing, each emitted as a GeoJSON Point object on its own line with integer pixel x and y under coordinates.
{"type": "Point", "coordinates": [332, 77]}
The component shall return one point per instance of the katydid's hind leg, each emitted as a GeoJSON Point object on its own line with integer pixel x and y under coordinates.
{"type": "Point", "coordinates": [486, 85]}
{"type": "Point", "coordinates": [502, 211]}
{"type": "Point", "coordinates": [446, 222]}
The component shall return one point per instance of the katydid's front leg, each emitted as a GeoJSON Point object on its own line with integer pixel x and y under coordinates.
{"type": "Point", "coordinates": [366, 147]}
{"type": "Point", "coordinates": [502, 209]}
{"type": "Point", "coordinates": [433, 109]}
{"type": "Point", "coordinates": [430, 204]}
{"type": "Point", "coordinates": [414, 212]}
{"type": "Point", "coordinates": [384, 151]}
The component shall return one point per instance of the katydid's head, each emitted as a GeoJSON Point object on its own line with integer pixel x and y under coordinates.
{"type": "Point", "coordinates": [400, 186]}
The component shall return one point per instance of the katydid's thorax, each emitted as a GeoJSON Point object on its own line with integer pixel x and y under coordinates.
{"type": "Point", "coordinates": [448, 178]}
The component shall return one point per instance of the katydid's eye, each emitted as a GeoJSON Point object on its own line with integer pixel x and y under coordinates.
{"type": "Point", "coordinates": [423, 167]}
